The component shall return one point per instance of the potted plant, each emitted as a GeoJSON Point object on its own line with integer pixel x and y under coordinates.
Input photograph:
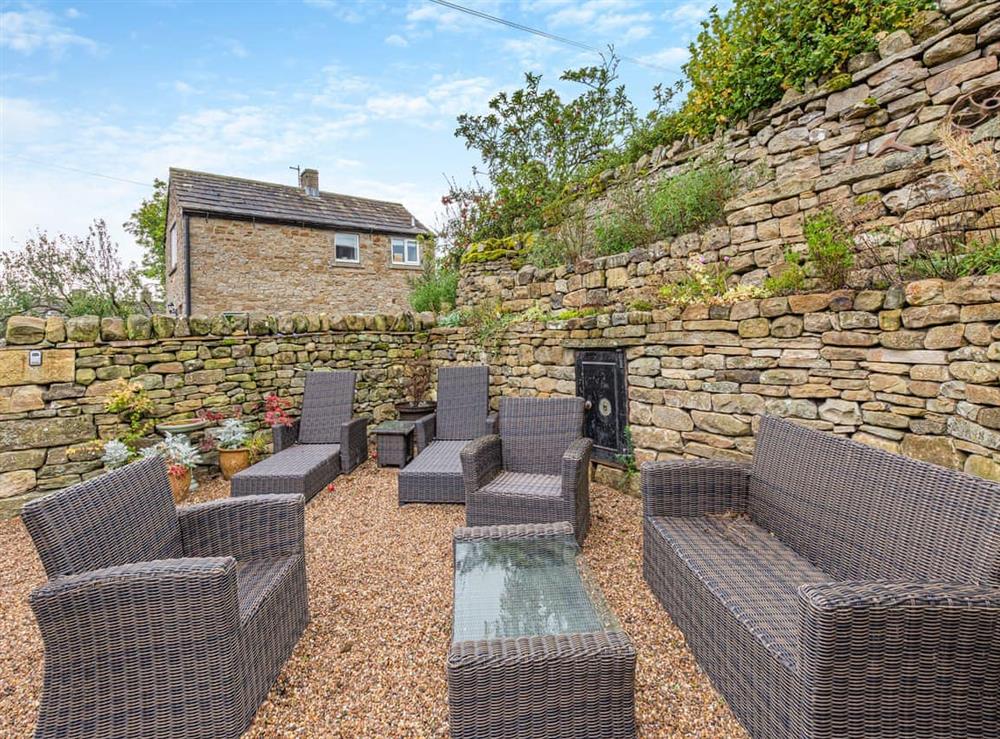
{"type": "Point", "coordinates": [116, 454]}
{"type": "Point", "coordinates": [419, 385]}
{"type": "Point", "coordinates": [181, 458]}
{"type": "Point", "coordinates": [231, 438]}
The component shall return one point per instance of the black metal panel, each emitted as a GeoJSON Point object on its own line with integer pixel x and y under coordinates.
{"type": "Point", "coordinates": [600, 380]}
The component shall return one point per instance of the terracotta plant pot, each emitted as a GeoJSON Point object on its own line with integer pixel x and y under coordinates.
{"type": "Point", "coordinates": [232, 461]}
{"type": "Point", "coordinates": [180, 485]}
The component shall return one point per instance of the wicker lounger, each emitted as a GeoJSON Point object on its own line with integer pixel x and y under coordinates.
{"type": "Point", "coordinates": [544, 656]}
{"type": "Point", "coordinates": [537, 470]}
{"type": "Point", "coordinates": [849, 592]}
{"type": "Point", "coordinates": [158, 621]}
{"type": "Point", "coordinates": [321, 444]}
{"type": "Point", "coordinates": [435, 475]}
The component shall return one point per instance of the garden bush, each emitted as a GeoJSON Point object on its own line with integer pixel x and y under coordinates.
{"type": "Point", "coordinates": [789, 280]}
{"type": "Point", "coordinates": [830, 248]}
{"type": "Point", "coordinates": [693, 199]}
{"type": "Point", "coordinates": [436, 287]}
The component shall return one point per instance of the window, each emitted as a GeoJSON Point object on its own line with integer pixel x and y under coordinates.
{"type": "Point", "coordinates": [172, 263]}
{"type": "Point", "coordinates": [405, 251]}
{"type": "Point", "coordinates": [346, 248]}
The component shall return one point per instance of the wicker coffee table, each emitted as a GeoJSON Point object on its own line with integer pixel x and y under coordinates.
{"type": "Point", "coordinates": [395, 443]}
{"type": "Point", "coordinates": [536, 651]}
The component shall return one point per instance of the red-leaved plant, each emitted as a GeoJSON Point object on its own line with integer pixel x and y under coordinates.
{"type": "Point", "coordinates": [275, 411]}
{"type": "Point", "coordinates": [176, 470]}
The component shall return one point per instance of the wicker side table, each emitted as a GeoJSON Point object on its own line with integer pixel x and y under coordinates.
{"type": "Point", "coordinates": [395, 443]}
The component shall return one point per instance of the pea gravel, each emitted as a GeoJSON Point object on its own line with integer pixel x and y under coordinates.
{"type": "Point", "coordinates": [371, 662]}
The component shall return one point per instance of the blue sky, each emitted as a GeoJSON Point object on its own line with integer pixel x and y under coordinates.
{"type": "Point", "coordinates": [366, 92]}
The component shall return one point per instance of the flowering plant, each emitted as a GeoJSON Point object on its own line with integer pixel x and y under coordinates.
{"type": "Point", "coordinates": [231, 434]}
{"type": "Point", "coordinates": [708, 284]}
{"type": "Point", "coordinates": [275, 411]}
{"type": "Point", "coordinates": [177, 451]}
{"type": "Point", "coordinates": [116, 454]}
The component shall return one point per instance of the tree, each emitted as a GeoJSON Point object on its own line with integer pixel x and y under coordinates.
{"type": "Point", "coordinates": [71, 276]}
{"type": "Point", "coordinates": [533, 143]}
{"type": "Point", "coordinates": [148, 224]}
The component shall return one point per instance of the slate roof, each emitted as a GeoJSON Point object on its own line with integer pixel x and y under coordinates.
{"type": "Point", "coordinates": [267, 201]}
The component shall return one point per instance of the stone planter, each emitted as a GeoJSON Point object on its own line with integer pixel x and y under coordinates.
{"type": "Point", "coordinates": [180, 486]}
{"type": "Point", "coordinates": [414, 411]}
{"type": "Point", "coordinates": [232, 461]}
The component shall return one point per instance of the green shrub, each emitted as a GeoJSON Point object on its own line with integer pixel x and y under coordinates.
{"type": "Point", "coordinates": [953, 259]}
{"type": "Point", "coordinates": [435, 289]}
{"type": "Point", "coordinates": [563, 244]}
{"type": "Point", "coordinates": [789, 280]}
{"type": "Point", "coordinates": [708, 283]}
{"type": "Point", "coordinates": [831, 248]}
{"type": "Point", "coordinates": [693, 199]}
{"type": "Point", "coordinates": [982, 258]}
{"type": "Point", "coordinates": [626, 225]}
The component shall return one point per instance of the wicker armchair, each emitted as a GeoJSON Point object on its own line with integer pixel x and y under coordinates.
{"type": "Point", "coordinates": [435, 476]}
{"type": "Point", "coordinates": [537, 470]}
{"type": "Point", "coordinates": [158, 621]}
{"type": "Point", "coordinates": [832, 589]}
{"type": "Point", "coordinates": [323, 442]}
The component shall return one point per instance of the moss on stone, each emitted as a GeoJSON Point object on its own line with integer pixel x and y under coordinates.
{"type": "Point", "coordinates": [496, 249]}
{"type": "Point", "coordinates": [838, 82]}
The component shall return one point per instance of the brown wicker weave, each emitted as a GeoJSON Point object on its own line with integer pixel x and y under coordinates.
{"type": "Point", "coordinates": [848, 592]}
{"type": "Point", "coordinates": [540, 684]}
{"type": "Point", "coordinates": [163, 622]}
{"type": "Point", "coordinates": [537, 470]}
{"type": "Point", "coordinates": [435, 475]}
{"type": "Point", "coordinates": [321, 444]}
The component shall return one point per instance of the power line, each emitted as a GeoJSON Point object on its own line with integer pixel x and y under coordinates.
{"type": "Point", "coordinates": [74, 169]}
{"type": "Point", "coordinates": [543, 34]}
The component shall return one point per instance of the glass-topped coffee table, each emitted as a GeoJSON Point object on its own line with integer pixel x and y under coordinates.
{"type": "Point", "coordinates": [536, 651]}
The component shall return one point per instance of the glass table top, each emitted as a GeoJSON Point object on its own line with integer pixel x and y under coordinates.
{"type": "Point", "coordinates": [540, 587]}
{"type": "Point", "coordinates": [394, 427]}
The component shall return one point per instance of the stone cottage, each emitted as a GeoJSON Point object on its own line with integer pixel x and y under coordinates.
{"type": "Point", "coordinates": [236, 245]}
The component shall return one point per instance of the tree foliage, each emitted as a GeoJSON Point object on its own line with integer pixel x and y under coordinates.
{"type": "Point", "coordinates": [71, 276]}
{"type": "Point", "coordinates": [148, 225]}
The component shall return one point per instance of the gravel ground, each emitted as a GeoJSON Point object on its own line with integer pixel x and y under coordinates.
{"type": "Point", "coordinates": [371, 662]}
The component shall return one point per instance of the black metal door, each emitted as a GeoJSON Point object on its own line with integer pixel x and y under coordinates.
{"type": "Point", "coordinates": [600, 380]}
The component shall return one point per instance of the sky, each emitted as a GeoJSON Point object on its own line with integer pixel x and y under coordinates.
{"type": "Point", "coordinates": [366, 92]}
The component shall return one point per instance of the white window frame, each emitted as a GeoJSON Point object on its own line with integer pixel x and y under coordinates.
{"type": "Point", "coordinates": [357, 248]}
{"type": "Point", "coordinates": [406, 243]}
{"type": "Point", "coordinates": [173, 248]}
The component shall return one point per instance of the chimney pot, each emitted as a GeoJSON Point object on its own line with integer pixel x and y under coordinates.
{"type": "Point", "coordinates": [309, 181]}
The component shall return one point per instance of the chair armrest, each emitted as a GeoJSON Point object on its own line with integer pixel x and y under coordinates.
{"type": "Point", "coordinates": [694, 487]}
{"type": "Point", "coordinates": [353, 443]}
{"type": "Point", "coordinates": [481, 461]}
{"type": "Point", "coordinates": [919, 647]}
{"type": "Point", "coordinates": [492, 424]}
{"type": "Point", "coordinates": [423, 431]}
{"type": "Point", "coordinates": [174, 599]}
{"type": "Point", "coordinates": [246, 527]}
{"type": "Point", "coordinates": [285, 436]}
{"type": "Point", "coordinates": [575, 468]}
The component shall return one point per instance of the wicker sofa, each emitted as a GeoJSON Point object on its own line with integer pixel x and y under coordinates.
{"type": "Point", "coordinates": [831, 589]}
{"type": "Point", "coordinates": [159, 621]}
{"type": "Point", "coordinates": [536, 470]}
{"type": "Point", "coordinates": [435, 476]}
{"type": "Point", "coordinates": [323, 442]}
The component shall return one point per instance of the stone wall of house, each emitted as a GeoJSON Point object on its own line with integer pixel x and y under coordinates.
{"type": "Point", "coordinates": [253, 266]}
{"type": "Point", "coordinates": [913, 370]}
{"type": "Point", "coordinates": [866, 144]}
{"type": "Point", "coordinates": [49, 412]}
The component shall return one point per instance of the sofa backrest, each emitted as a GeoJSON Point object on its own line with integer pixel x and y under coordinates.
{"type": "Point", "coordinates": [326, 405]}
{"type": "Point", "coordinates": [122, 517]}
{"type": "Point", "coordinates": [857, 512]}
{"type": "Point", "coordinates": [535, 432]}
{"type": "Point", "coordinates": [463, 400]}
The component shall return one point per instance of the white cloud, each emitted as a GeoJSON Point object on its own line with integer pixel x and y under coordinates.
{"type": "Point", "coordinates": [672, 57]}
{"type": "Point", "coordinates": [185, 89]}
{"type": "Point", "coordinates": [72, 13]}
{"type": "Point", "coordinates": [439, 104]}
{"type": "Point", "coordinates": [689, 13]}
{"type": "Point", "coordinates": [399, 105]}
{"type": "Point", "coordinates": [21, 119]}
{"type": "Point", "coordinates": [396, 40]}
{"type": "Point", "coordinates": [31, 29]}
{"type": "Point", "coordinates": [348, 12]}
{"type": "Point", "coordinates": [234, 47]}
{"type": "Point", "coordinates": [447, 19]}
{"type": "Point", "coordinates": [617, 21]}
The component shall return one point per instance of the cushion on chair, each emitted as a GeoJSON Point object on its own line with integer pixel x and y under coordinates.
{"type": "Point", "coordinates": [327, 404]}
{"type": "Point", "coordinates": [524, 483]}
{"type": "Point", "coordinates": [755, 576]}
{"type": "Point", "coordinates": [440, 458]}
{"type": "Point", "coordinates": [435, 475]}
{"type": "Point", "coordinates": [302, 469]}
{"type": "Point", "coordinates": [256, 579]}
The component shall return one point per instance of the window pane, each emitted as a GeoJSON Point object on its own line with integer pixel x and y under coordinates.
{"type": "Point", "coordinates": [412, 253]}
{"type": "Point", "coordinates": [398, 251]}
{"type": "Point", "coordinates": [346, 247]}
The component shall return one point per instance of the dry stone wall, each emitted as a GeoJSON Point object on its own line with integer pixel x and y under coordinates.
{"type": "Point", "coordinates": [911, 370]}
{"type": "Point", "coordinates": [866, 144]}
{"type": "Point", "coordinates": [49, 412]}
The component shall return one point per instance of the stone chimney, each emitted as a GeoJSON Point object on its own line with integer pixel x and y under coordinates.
{"type": "Point", "coordinates": [309, 181]}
